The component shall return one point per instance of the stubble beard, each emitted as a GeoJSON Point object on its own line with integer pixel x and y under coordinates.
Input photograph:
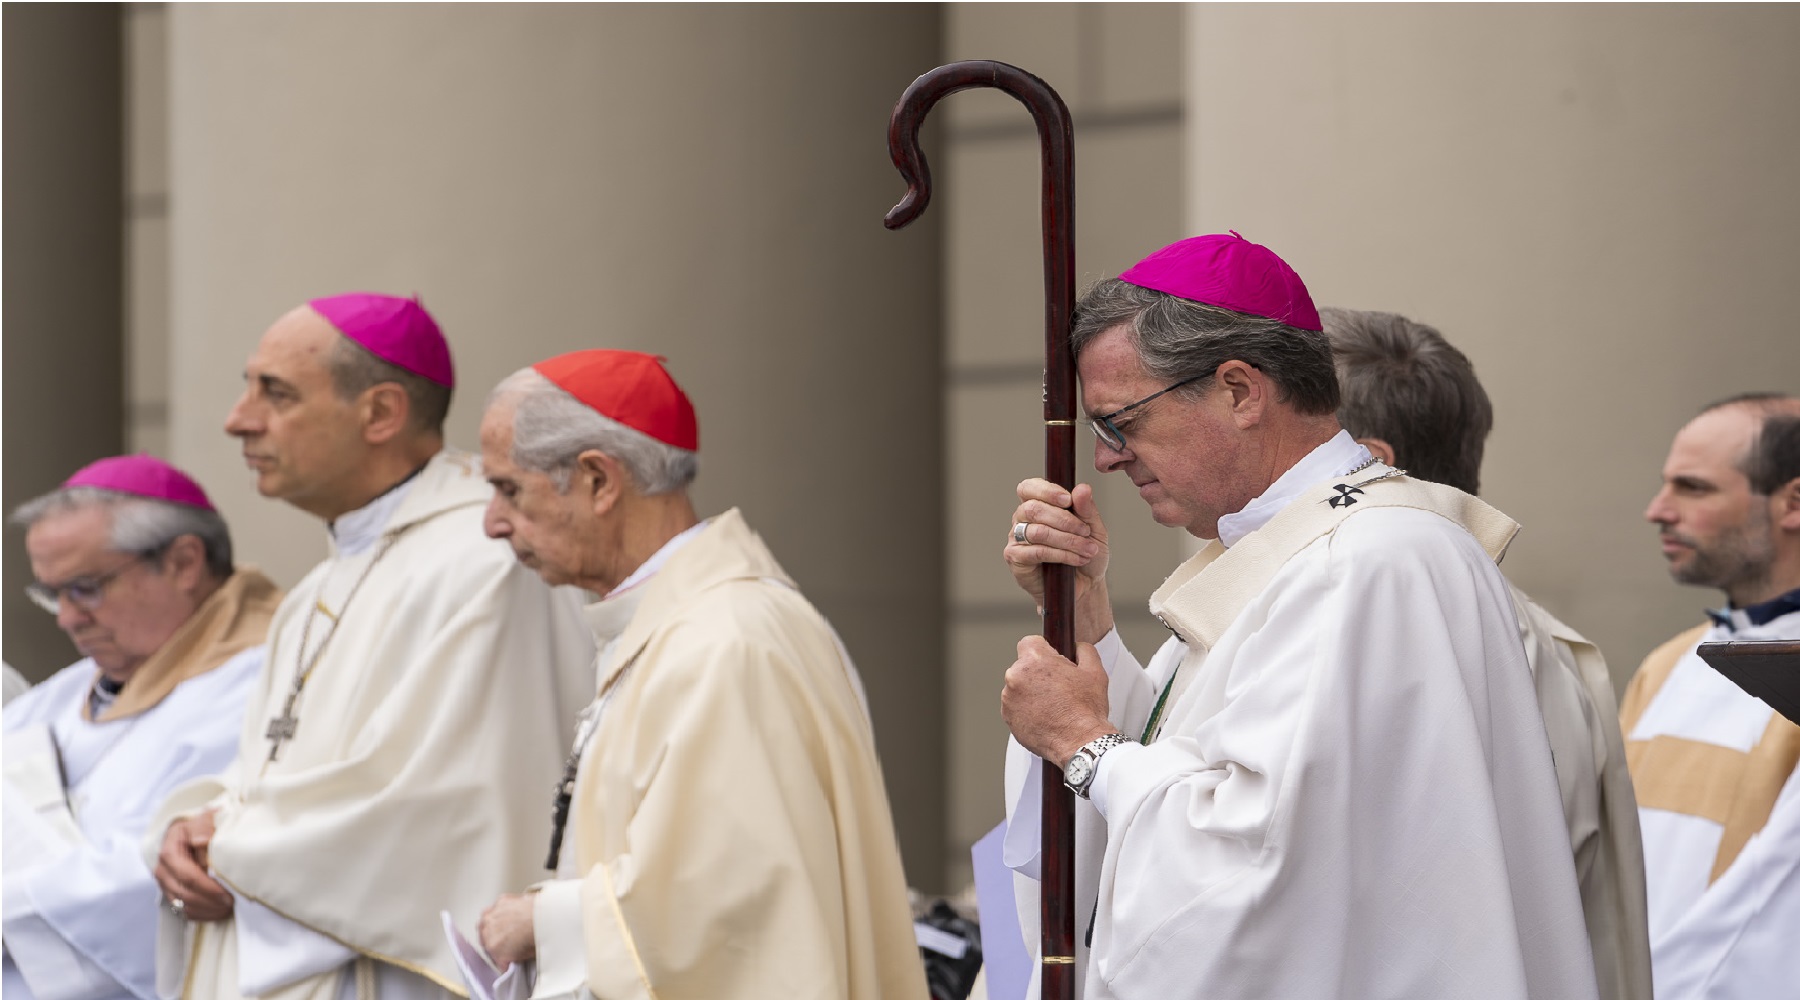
{"type": "Point", "coordinates": [1738, 561]}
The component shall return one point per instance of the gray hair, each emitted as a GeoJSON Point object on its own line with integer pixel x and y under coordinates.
{"type": "Point", "coordinates": [355, 369]}
{"type": "Point", "coordinates": [140, 525]}
{"type": "Point", "coordinates": [551, 429]}
{"type": "Point", "coordinates": [1178, 339]}
{"type": "Point", "coordinates": [1405, 384]}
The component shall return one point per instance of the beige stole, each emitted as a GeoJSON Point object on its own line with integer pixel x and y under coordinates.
{"type": "Point", "coordinates": [1199, 602]}
{"type": "Point", "coordinates": [1734, 789]}
{"type": "Point", "coordinates": [235, 618]}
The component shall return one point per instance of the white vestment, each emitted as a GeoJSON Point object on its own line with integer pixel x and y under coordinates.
{"type": "Point", "coordinates": [81, 925]}
{"type": "Point", "coordinates": [1704, 749]}
{"type": "Point", "coordinates": [1575, 693]}
{"type": "Point", "coordinates": [1351, 793]}
{"type": "Point", "coordinates": [13, 685]}
{"type": "Point", "coordinates": [414, 782]}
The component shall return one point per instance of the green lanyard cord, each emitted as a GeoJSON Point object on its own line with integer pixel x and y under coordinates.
{"type": "Point", "coordinates": [1156, 713]}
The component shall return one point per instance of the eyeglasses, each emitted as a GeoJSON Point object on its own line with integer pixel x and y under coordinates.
{"type": "Point", "coordinates": [1109, 432]}
{"type": "Point", "coordinates": [86, 593]}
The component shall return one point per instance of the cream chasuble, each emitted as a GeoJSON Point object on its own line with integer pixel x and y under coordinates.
{"type": "Point", "coordinates": [441, 681]}
{"type": "Point", "coordinates": [1349, 793]}
{"type": "Point", "coordinates": [80, 916]}
{"type": "Point", "coordinates": [729, 812]}
{"type": "Point", "coordinates": [1599, 809]}
{"type": "Point", "coordinates": [1720, 807]}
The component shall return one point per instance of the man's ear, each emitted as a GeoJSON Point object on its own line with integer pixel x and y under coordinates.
{"type": "Point", "coordinates": [1784, 505]}
{"type": "Point", "coordinates": [1383, 452]}
{"type": "Point", "coordinates": [1249, 391]}
{"type": "Point", "coordinates": [185, 560]}
{"type": "Point", "coordinates": [603, 477]}
{"type": "Point", "coordinates": [385, 411]}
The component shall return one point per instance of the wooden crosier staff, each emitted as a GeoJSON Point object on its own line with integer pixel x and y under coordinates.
{"type": "Point", "coordinates": [1056, 139]}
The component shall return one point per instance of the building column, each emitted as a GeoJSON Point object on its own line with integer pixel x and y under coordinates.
{"type": "Point", "coordinates": [63, 289]}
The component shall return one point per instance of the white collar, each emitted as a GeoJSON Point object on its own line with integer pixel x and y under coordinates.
{"type": "Point", "coordinates": [356, 532]}
{"type": "Point", "coordinates": [608, 616]}
{"type": "Point", "coordinates": [657, 559]}
{"type": "Point", "coordinates": [1339, 456]}
{"type": "Point", "coordinates": [1738, 626]}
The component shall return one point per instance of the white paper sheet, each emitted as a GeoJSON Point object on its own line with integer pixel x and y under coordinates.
{"type": "Point", "coordinates": [484, 981]}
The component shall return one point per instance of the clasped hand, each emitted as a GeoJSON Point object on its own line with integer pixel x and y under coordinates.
{"type": "Point", "coordinates": [1052, 705]}
{"type": "Point", "coordinates": [509, 930]}
{"type": "Point", "coordinates": [182, 870]}
{"type": "Point", "coordinates": [1062, 526]}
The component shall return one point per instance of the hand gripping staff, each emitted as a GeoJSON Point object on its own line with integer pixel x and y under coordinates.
{"type": "Point", "coordinates": [1056, 138]}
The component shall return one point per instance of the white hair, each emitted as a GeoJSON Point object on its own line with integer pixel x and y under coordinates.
{"type": "Point", "coordinates": [551, 428]}
{"type": "Point", "coordinates": [140, 525]}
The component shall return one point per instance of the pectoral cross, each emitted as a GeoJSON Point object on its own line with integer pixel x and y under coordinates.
{"type": "Point", "coordinates": [282, 727]}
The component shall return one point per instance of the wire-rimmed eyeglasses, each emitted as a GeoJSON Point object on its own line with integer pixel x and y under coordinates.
{"type": "Point", "coordinates": [1109, 432]}
{"type": "Point", "coordinates": [85, 592]}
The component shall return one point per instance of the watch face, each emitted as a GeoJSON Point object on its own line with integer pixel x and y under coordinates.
{"type": "Point", "coordinates": [1076, 774]}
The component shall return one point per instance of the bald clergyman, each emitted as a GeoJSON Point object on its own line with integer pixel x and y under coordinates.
{"type": "Point", "coordinates": [418, 690]}
{"type": "Point", "coordinates": [1717, 770]}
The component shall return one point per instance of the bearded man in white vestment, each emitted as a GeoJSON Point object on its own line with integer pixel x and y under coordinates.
{"type": "Point", "coordinates": [392, 760]}
{"type": "Point", "coordinates": [136, 564]}
{"type": "Point", "coordinates": [1413, 400]}
{"type": "Point", "coordinates": [728, 829]}
{"type": "Point", "coordinates": [1333, 781]}
{"type": "Point", "coordinates": [1715, 768]}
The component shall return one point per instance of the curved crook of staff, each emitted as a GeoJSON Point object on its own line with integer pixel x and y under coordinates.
{"type": "Point", "coordinates": [1056, 139]}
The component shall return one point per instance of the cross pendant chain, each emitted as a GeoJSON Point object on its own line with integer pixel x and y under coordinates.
{"type": "Point", "coordinates": [282, 727]}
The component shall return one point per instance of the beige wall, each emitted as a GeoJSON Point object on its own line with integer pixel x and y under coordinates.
{"type": "Point", "coordinates": [703, 182]}
{"type": "Point", "coordinates": [1118, 66]}
{"type": "Point", "coordinates": [1597, 203]}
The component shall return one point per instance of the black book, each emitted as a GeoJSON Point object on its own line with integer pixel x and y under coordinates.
{"type": "Point", "coordinates": [1768, 669]}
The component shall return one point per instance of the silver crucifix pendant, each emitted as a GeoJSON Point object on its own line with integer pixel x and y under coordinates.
{"type": "Point", "coordinates": [282, 728]}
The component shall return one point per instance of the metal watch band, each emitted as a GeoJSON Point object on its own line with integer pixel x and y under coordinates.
{"type": "Point", "coordinates": [1093, 750]}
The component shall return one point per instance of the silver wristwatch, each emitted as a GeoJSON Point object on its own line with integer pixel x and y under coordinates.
{"type": "Point", "coordinates": [1078, 773]}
